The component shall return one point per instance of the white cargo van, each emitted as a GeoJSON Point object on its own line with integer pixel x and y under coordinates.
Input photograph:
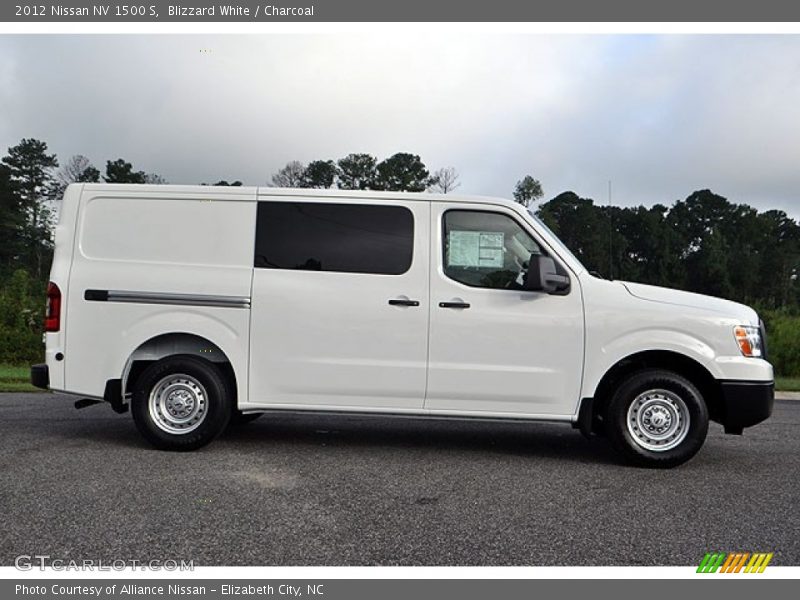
{"type": "Point", "coordinates": [197, 305]}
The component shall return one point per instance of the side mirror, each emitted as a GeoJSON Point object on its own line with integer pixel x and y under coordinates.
{"type": "Point", "coordinates": [543, 277]}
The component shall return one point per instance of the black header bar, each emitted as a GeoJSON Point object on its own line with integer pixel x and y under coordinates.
{"type": "Point", "coordinates": [191, 11]}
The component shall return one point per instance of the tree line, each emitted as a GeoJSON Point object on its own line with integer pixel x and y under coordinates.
{"type": "Point", "coordinates": [703, 243]}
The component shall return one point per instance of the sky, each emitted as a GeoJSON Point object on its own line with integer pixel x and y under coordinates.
{"type": "Point", "coordinates": [657, 115]}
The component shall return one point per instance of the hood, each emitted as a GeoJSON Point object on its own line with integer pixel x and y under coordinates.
{"type": "Point", "coordinates": [744, 314]}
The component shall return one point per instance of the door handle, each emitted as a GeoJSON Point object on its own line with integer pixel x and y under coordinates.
{"type": "Point", "coordinates": [453, 304]}
{"type": "Point", "coordinates": [403, 302]}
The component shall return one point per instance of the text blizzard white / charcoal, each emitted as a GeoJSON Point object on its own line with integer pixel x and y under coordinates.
{"type": "Point", "coordinates": [235, 10]}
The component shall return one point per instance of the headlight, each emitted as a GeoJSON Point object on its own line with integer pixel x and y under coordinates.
{"type": "Point", "coordinates": [749, 340]}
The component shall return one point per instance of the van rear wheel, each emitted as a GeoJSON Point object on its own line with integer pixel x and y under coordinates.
{"type": "Point", "coordinates": [181, 403]}
{"type": "Point", "coordinates": [657, 418]}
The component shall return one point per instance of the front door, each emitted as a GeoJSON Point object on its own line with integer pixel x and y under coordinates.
{"type": "Point", "coordinates": [339, 315]}
{"type": "Point", "coordinates": [495, 348]}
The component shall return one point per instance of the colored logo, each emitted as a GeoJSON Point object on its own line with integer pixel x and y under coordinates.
{"type": "Point", "coordinates": [734, 562]}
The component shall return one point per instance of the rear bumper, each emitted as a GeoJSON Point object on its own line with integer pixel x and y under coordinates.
{"type": "Point", "coordinates": [745, 403]}
{"type": "Point", "coordinates": [40, 376]}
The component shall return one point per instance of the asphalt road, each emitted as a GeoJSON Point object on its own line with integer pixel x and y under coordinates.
{"type": "Point", "coordinates": [347, 491]}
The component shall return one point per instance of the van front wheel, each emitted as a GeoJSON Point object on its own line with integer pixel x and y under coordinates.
{"type": "Point", "coordinates": [181, 403]}
{"type": "Point", "coordinates": [657, 418]}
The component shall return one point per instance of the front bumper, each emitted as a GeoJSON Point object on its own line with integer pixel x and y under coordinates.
{"type": "Point", "coordinates": [40, 376]}
{"type": "Point", "coordinates": [745, 403]}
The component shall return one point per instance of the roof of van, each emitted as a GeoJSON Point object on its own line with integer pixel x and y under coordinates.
{"type": "Point", "coordinates": [238, 192]}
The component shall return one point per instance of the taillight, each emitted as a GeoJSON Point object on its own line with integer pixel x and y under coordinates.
{"type": "Point", "coordinates": [52, 313]}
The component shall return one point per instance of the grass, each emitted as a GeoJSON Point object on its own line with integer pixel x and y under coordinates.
{"type": "Point", "coordinates": [787, 384]}
{"type": "Point", "coordinates": [16, 379]}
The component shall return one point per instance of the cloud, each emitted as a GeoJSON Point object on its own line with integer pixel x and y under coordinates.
{"type": "Point", "coordinates": [660, 116]}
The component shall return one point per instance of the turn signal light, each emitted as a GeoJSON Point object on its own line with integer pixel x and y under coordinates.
{"type": "Point", "coordinates": [749, 340]}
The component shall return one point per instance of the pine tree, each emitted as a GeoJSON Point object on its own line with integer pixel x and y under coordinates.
{"type": "Point", "coordinates": [31, 177]}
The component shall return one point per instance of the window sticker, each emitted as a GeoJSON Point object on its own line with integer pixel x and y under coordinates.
{"type": "Point", "coordinates": [475, 249]}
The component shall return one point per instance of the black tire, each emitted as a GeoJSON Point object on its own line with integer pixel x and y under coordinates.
{"type": "Point", "coordinates": [192, 378]}
{"type": "Point", "coordinates": [672, 398]}
{"type": "Point", "coordinates": [239, 419]}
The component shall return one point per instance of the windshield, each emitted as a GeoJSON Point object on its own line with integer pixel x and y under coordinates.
{"type": "Point", "coordinates": [554, 238]}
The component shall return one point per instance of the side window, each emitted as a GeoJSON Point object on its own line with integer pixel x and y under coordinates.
{"type": "Point", "coordinates": [486, 249]}
{"type": "Point", "coordinates": [349, 238]}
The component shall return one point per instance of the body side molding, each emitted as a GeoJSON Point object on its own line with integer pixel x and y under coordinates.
{"type": "Point", "coordinates": [166, 298]}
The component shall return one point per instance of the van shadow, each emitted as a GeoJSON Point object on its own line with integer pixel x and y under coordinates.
{"type": "Point", "coordinates": [552, 441]}
{"type": "Point", "coordinates": [278, 432]}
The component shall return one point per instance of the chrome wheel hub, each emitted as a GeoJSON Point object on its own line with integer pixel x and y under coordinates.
{"type": "Point", "coordinates": [658, 420]}
{"type": "Point", "coordinates": [178, 404]}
